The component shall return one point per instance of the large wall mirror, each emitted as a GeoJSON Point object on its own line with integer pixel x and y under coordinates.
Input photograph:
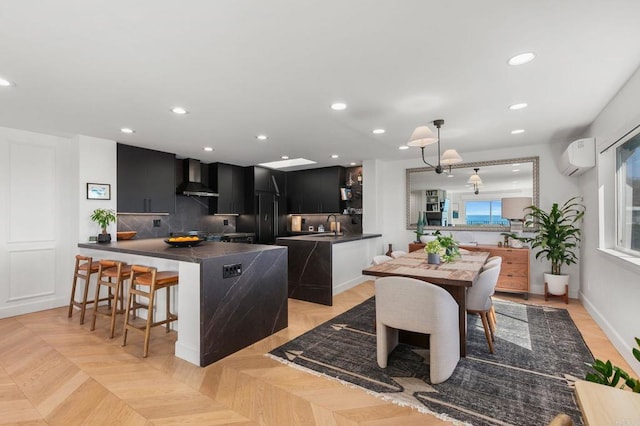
{"type": "Point", "coordinates": [452, 203]}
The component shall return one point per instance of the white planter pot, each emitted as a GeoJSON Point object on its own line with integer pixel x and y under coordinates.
{"type": "Point", "coordinates": [424, 239]}
{"type": "Point", "coordinates": [556, 284]}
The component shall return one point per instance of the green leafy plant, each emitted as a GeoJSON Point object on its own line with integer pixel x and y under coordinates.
{"type": "Point", "coordinates": [433, 247]}
{"type": "Point", "coordinates": [103, 217]}
{"type": "Point", "coordinates": [447, 247]}
{"type": "Point", "coordinates": [609, 375]}
{"type": "Point", "coordinates": [558, 233]}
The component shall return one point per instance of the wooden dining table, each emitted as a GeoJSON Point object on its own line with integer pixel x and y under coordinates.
{"type": "Point", "coordinates": [453, 276]}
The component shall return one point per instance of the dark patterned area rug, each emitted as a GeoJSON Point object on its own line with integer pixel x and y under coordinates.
{"type": "Point", "coordinates": [539, 353]}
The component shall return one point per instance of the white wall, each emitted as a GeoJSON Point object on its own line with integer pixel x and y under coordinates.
{"type": "Point", "coordinates": [37, 226]}
{"type": "Point", "coordinates": [611, 287]}
{"type": "Point", "coordinates": [391, 208]}
{"type": "Point", "coordinates": [96, 160]}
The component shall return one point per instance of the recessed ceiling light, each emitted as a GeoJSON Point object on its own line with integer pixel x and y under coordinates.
{"type": "Point", "coordinates": [127, 130]}
{"type": "Point", "coordinates": [517, 106]}
{"type": "Point", "coordinates": [522, 58]}
{"type": "Point", "coordinates": [352, 163]}
{"type": "Point", "coordinates": [262, 137]}
{"type": "Point", "coordinates": [285, 157]}
{"type": "Point", "coordinates": [335, 156]}
{"type": "Point", "coordinates": [378, 131]}
{"type": "Point", "coordinates": [517, 131]}
{"type": "Point", "coordinates": [403, 147]}
{"type": "Point", "coordinates": [208, 148]}
{"type": "Point", "coordinates": [338, 106]}
{"type": "Point", "coordinates": [179, 110]}
{"type": "Point", "coordinates": [5, 83]}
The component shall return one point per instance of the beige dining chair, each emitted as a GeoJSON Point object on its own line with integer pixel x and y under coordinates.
{"type": "Point", "coordinates": [418, 306]}
{"type": "Point", "coordinates": [492, 262]}
{"type": "Point", "coordinates": [381, 258]}
{"type": "Point", "coordinates": [479, 301]}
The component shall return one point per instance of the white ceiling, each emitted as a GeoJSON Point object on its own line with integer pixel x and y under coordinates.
{"type": "Point", "coordinates": [245, 67]}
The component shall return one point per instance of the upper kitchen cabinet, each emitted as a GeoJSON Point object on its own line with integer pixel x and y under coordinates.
{"type": "Point", "coordinates": [229, 181]}
{"type": "Point", "coordinates": [315, 190]}
{"type": "Point", "coordinates": [146, 180]}
{"type": "Point", "coordinates": [266, 180]}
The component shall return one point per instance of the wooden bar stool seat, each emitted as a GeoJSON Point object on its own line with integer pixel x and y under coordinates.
{"type": "Point", "coordinates": [111, 273]}
{"type": "Point", "coordinates": [85, 267]}
{"type": "Point", "coordinates": [145, 281]}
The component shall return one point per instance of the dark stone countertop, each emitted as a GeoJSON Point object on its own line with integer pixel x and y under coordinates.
{"type": "Point", "coordinates": [156, 247]}
{"type": "Point", "coordinates": [328, 237]}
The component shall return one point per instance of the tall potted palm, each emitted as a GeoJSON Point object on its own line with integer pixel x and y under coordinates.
{"type": "Point", "coordinates": [556, 240]}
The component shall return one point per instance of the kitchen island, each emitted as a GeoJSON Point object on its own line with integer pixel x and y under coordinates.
{"type": "Point", "coordinates": [321, 265]}
{"type": "Point", "coordinates": [216, 316]}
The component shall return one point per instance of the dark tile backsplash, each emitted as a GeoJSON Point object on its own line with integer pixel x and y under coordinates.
{"type": "Point", "coordinates": [192, 213]}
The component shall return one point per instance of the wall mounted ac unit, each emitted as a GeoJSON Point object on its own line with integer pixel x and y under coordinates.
{"type": "Point", "coordinates": [579, 157]}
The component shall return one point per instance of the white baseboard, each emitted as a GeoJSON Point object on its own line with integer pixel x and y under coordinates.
{"type": "Point", "coordinates": [187, 353]}
{"type": "Point", "coordinates": [344, 286]}
{"type": "Point", "coordinates": [27, 308]}
{"type": "Point", "coordinates": [618, 342]}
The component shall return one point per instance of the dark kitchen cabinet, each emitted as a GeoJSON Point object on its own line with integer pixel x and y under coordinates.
{"type": "Point", "coordinates": [229, 181]}
{"type": "Point", "coordinates": [315, 190]}
{"type": "Point", "coordinates": [266, 180]}
{"type": "Point", "coordinates": [146, 180]}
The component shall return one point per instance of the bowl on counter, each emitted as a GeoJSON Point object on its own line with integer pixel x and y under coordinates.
{"type": "Point", "coordinates": [184, 241]}
{"type": "Point", "coordinates": [126, 235]}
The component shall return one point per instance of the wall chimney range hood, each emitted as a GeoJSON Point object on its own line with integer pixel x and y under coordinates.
{"type": "Point", "coordinates": [191, 180]}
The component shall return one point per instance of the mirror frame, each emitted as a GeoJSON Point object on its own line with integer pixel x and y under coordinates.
{"type": "Point", "coordinates": [536, 192]}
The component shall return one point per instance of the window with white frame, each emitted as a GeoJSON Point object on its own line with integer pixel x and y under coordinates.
{"type": "Point", "coordinates": [484, 212]}
{"type": "Point", "coordinates": [628, 196]}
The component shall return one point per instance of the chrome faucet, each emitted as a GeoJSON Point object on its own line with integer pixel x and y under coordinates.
{"type": "Point", "coordinates": [335, 220]}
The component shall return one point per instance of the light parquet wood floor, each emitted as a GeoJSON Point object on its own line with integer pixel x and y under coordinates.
{"type": "Point", "coordinates": [55, 371]}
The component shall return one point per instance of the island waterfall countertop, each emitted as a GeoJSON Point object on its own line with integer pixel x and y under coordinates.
{"type": "Point", "coordinates": [229, 296]}
{"type": "Point", "coordinates": [323, 265]}
{"type": "Point", "coordinates": [156, 247]}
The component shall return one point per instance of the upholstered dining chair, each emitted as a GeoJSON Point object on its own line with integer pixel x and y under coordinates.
{"type": "Point", "coordinates": [398, 253]}
{"type": "Point", "coordinates": [492, 262]}
{"type": "Point", "coordinates": [377, 260]}
{"type": "Point", "coordinates": [418, 306]}
{"type": "Point", "coordinates": [479, 301]}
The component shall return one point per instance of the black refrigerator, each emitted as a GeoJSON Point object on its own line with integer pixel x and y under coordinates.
{"type": "Point", "coordinates": [267, 221]}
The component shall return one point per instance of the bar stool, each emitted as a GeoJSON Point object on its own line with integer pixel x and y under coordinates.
{"type": "Point", "coordinates": [150, 281]}
{"type": "Point", "coordinates": [108, 271]}
{"type": "Point", "coordinates": [85, 267]}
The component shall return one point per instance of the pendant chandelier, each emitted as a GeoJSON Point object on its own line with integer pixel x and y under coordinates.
{"type": "Point", "coordinates": [423, 136]}
{"type": "Point", "coordinates": [476, 181]}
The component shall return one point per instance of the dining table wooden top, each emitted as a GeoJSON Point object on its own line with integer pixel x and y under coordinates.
{"type": "Point", "coordinates": [462, 271]}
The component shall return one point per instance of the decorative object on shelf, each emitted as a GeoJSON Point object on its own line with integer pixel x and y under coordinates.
{"type": "Point", "coordinates": [609, 375]}
{"type": "Point", "coordinates": [420, 226]}
{"type": "Point", "coordinates": [423, 136]}
{"type": "Point", "coordinates": [98, 191]}
{"type": "Point", "coordinates": [556, 240]}
{"type": "Point", "coordinates": [515, 209]}
{"type": "Point", "coordinates": [475, 181]}
{"type": "Point", "coordinates": [103, 217]}
{"type": "Point", "coordinates": [425, 238]}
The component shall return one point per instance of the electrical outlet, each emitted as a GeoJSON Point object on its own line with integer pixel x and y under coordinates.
{"type": "Point", "coordinates": [225, 222]}
{"type": "Point", "coordinates": [156, 223]}
{"type": "Point", "coordinates": [234, 270]}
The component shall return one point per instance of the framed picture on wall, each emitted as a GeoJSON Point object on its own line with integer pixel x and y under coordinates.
{"type": "Point", "coordinates": [98, 191]}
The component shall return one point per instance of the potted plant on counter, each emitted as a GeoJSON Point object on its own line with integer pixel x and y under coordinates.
{"type": "Point", "coordinates": [556, 240]}
{"type": "Point", "coordinates": [103, 217]}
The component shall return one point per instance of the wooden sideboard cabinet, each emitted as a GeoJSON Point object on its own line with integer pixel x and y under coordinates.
{"type": "Point", "coordinates": [514, 273]}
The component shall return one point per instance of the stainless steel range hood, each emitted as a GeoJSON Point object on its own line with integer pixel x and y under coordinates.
{"type": "Point", "coordinates": [192, 182]}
